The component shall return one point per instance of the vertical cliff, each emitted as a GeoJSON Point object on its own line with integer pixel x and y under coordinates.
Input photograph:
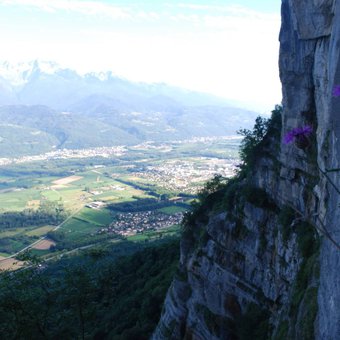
{"type": "Point", "coordinates": [259, 255]}
{"type": "Point", "coordinates": [310, 69]}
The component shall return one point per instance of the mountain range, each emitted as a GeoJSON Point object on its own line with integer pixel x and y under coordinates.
{"type": "Point", "coordinates": [44, 107]}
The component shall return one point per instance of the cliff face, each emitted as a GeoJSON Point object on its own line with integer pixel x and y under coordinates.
{"type": "Point", "coordinates": [259, 260]}
{"type": "Point", "coordinates": [310, 68]}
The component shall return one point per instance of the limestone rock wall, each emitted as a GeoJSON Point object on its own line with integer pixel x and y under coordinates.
{"type": "Point", "coordinates": [243, 256]}
{"type": "Point", "coordinates": [309, 70]}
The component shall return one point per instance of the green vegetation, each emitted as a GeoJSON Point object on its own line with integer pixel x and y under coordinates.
{"type": "Point", "coordinates": [308, 239]}
{"type": "Point", "coordinates": [143, 204]}
{"type": "Point", "coordinates": [36, 129]}
{"type": "Point", "coordinates": [258, 197]}
{"type": "Point", "coordinates": [174, 209]}
{"type": "Point", "coordinates": [14, 140]}
{"type": "Point", "coordinates": [309, 312]}
{"type": "Point", "coordinates": [229, 195]}
{"type": "Point", "coordinates": [100, 217]}
{"type": "Point", "coordinates": [86, 289]}
{"type": "Point", "coordinates": [256, 142]}
{"type": "Point", "coordinates": [90, 296]}
{"type": "Point", "coordinates": [286, 218]}
{"type": "Point", "coordinates": [97, 296]}
{"type": "Point", "coordinates": [240, 231]}
{"type": "Point", "coordinates": [13, 244]}
{"type": "Point", "coordinates": [207, 198]}
{"type": "Point", "coordinates": [213, 321]}
{"type": "Point", "coordinates": [81, 236]}
{"type": "Point", "coordinates": [282, 331]}
{"type": "Point", "coordinates": [48, 213]}
{"type": "Point", "coordinates": [252, 141]}
{"type": "Point", "coordinates": [220, 194]}
{"type": "Point", "coordinates": [30, 190]}
{"type": "Point", "coordinates": [164, 233]}
{"type": "Point", "coordinates": [303, 308]}
{"type": "Point", "coordinates": [34, 200]}
{"type": "Point", "coordinates": [253, 324]}
{"type": "Point", "coordinates": [232, 193]}
{"type": "Point", "coordinates": [39, 231]}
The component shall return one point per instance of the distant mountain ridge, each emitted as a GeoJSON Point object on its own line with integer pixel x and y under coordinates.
{"type": "Point", "coordinates": [45, 107]}
{"type": "Point", "coordinates": [28, 82]}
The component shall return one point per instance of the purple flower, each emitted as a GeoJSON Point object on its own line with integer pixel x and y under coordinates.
{"type": "Point", "coordinates": [288, 138]}
{"type": "Point", "coordinates": [336, 91]}
{"type": "Point", "coordinates": [297, 134]}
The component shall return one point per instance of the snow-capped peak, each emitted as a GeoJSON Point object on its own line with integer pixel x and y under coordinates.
{"type": "Point", "coordinates": [19, 73]}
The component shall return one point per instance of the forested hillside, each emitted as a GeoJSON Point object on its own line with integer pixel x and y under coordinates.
{"type": "Point", "coordinates": [62, 109]}
{"type": "Point", "coordinates": [104, 294]}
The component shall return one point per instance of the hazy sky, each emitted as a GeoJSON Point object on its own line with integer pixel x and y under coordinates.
{"type": "Point", "coordinates": [225, 47]}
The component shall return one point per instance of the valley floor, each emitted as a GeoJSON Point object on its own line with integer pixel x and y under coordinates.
{"type": "Point", "coordinates": [54, 203]}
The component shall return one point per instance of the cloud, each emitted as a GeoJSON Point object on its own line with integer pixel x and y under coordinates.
{"type": "Point", "coordinates": [199, 7]}
{"type": "Point", "coordinates": [81, 7]}
{"type": "Point", "coordinates": [226, 17]}
{"type": "Point", "coordinates": [147, 15]}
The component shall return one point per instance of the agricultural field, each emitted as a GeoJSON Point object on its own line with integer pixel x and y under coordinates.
{"type": "Point", "coordinates": [77, 194]}
{"type": "Point", "coordinates": [60, 205]}
{"type": "Point", "coordinates": [10, 263]}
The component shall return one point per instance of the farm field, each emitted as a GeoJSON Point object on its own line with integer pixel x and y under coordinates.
{"type": "Point", "coordinates": [74, 203]}
{"type": "Point", "coordinates": [74, 193]}
{"type": "Point", "coordinates": [153, 235]}
{"type": "Point", "coordinates": [172, 210]}
{"type": "Point", "coordinates": [44, 245]}
{"type": "Point", "coordinates": [40, 231]}
{"type": "Point", "coordinates": [10, 263]}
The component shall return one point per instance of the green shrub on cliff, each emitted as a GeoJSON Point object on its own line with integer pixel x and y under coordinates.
{"type": "Point", "coordinates": [265, 132]}
{"type": "Point", "coordinates": [223, 193]}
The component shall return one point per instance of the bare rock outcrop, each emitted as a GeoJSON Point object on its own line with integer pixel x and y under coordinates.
{"type": "Point", "coordinates": [261, 258]}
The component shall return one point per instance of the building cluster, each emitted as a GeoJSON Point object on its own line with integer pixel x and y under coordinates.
{"type": "Point", "coordinates": [96, 205]}
{"type": "Point", "coordinates": [101, 190]}
{"type": "Point", "coordinates": [127, 224]}
{"type": "Point", "coordinates": [105, 152]}
{"type": "Point", "coordinates": [188, 176]}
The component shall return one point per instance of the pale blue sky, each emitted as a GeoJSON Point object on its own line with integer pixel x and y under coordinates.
{"type": "Point", "coordinates": [228, 48]}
